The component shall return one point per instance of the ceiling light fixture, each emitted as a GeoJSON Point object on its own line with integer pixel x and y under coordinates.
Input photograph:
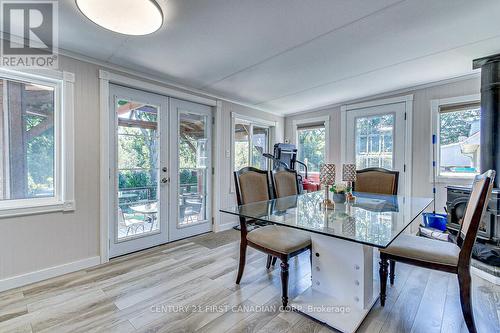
{"type": "Point", "coordinates": [129, 17]}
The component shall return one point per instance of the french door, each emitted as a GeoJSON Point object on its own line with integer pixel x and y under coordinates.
{"type": "Point", "coordinates": [190, 141]}
{"type": "Point", "coordinates": [375, 137]}
{"type": "Point", "coordinates": [160, 159]}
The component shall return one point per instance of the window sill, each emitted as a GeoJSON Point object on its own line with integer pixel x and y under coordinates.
{"type": "Point", "coordinates": [459, 180]}
{"type": "Point", "coordinates": [35, 208]}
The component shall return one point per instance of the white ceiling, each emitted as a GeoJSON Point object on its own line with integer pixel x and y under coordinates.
{"type": "Point", "coordinates": [291, 55]}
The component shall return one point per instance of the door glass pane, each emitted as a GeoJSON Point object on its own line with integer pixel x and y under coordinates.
{"type": "Point", "coordinates": [374, 141]}
{"type": "Point", "coordinates": [260, 144]}
{"type": "Point", "coordinates": [193, 168]}
{"type": "Point", "coordinates": [311, 148]}
{"type": "Point", "coordinates": [241, 145]}
{"type": "Point", "coordinates": [138, 153]}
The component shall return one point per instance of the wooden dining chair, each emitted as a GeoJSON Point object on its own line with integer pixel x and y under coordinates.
{"type": "Point", "coordinates": [285, 182]}
{"type": "Point", "coordinates": [440, 255]}
{"type": "Point", "coordinates": [252, 185]}
{"type": "Point", "coordinates": [376, 180]}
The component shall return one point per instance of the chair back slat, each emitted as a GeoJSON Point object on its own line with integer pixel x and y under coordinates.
{"type": "Point", "coordinates": [478, 202]}
{"type": "Point", "coordinates": [285, 182]}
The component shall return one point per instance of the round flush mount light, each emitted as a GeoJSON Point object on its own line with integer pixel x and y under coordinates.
{"type": "Point", "coordinates": [129, 17]}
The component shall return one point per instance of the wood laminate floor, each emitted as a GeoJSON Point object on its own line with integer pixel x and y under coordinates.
{"type": "Point", "coordinates": [188, 286]}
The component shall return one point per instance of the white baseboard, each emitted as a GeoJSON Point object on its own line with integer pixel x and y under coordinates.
{"type": "Point", "coordinates": [224, 227]}
{"type": "Point", "coordinates": [47, 273]}
{"type": "Point", "coordinates": [488, 277]}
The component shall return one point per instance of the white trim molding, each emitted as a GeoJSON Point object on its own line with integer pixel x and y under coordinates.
{"type": "Point", "coordinates": [435, 106]}
{"type": "Point", "coordinates": [226, 226]}
{"type": "Point", "coordinates": [47, 273]}
{"type": "Point", "coordinates": [378, 102]}
{"type": "Point", "coordinates": [253, 121]}
{"type": "Point", "coordinates": [485, 276]}
{"type": "Point", "coordinates": [408, 100]}
{"type": "Point", "coordinates": [218, 157]}
{"type": "Point", "coordinates": [64, 141]}
{"type": "Point", "coordinates": [325, 120]}
{"type": "Point", "coordinates": [105, 173]}
{"type": "Point", "coordinates": [155, 88]}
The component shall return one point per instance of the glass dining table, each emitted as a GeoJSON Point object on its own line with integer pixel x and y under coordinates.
{"type": "Point", "coordinates": [344, 282]}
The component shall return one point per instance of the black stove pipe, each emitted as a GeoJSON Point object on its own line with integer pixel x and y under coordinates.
{"type": "Point", "coordinates": [490, 113]}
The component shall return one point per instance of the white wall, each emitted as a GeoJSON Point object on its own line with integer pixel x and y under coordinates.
{"type": "Point", "coordinates": [31, 244]}
{"type": "Point", "coordinates": [421, 130]}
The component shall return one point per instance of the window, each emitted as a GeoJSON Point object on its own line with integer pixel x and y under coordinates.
{"type": "Point", "coordinates": [456, 126]}
{"type": "Point", "coordinates": [250, 141]}
{"type": "Point", "coordinates": [374, 137]}
{"type": "Point", "coordinates": [241, 145]}
{"type": "Point", "coordinates": [260, 144]}
{"type": "Point", "coordinates": [31, 163]}
{"type": "Point", "coordinates": [311, 146]}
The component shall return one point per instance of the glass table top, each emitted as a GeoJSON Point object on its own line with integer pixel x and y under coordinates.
{"type": "Point", "coordinates": [372, 219]}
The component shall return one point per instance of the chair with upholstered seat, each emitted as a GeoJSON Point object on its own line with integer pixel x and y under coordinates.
{"type": "Point", "coordinates": [440, 255]}
{"type": "Point", "coordinates": [376, 180]}
{"type": "Point", "coordinates": [252, 185]}
{"type": "Point", "coordinates": [285, 183]}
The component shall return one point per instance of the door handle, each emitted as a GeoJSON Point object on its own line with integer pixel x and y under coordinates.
{"type": "Point", "coordinates": [165, 180]}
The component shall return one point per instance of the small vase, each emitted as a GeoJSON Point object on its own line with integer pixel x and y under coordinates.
{"type": "Point", "coordinates": [339, 197]}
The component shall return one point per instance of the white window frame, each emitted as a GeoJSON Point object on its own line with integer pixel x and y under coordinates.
{"type": "Point", "coordinates": [64, 199]}
{"type": "Point", "coordinates": [252, 121]}
{"type": "Point", "coordinates": [436, 104]}
{"type": "Point", "coordinates": [318, 121]}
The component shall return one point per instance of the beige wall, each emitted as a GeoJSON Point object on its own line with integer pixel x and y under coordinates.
{"type": "Point", "coordinates": [421, 185]}
{"type": "Point", "coordinates": [37, 242]}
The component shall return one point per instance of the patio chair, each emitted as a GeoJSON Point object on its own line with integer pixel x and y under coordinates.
{"type": "Point", "coordinates": [129, 223]}
{"type": "Point", "coordinates": [193, 209]}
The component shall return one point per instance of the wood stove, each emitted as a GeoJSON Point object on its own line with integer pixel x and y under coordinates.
{"type": "Point", "coordinates": [456, 201]}
{"type": "Point", "coordinates": [457, 196]}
